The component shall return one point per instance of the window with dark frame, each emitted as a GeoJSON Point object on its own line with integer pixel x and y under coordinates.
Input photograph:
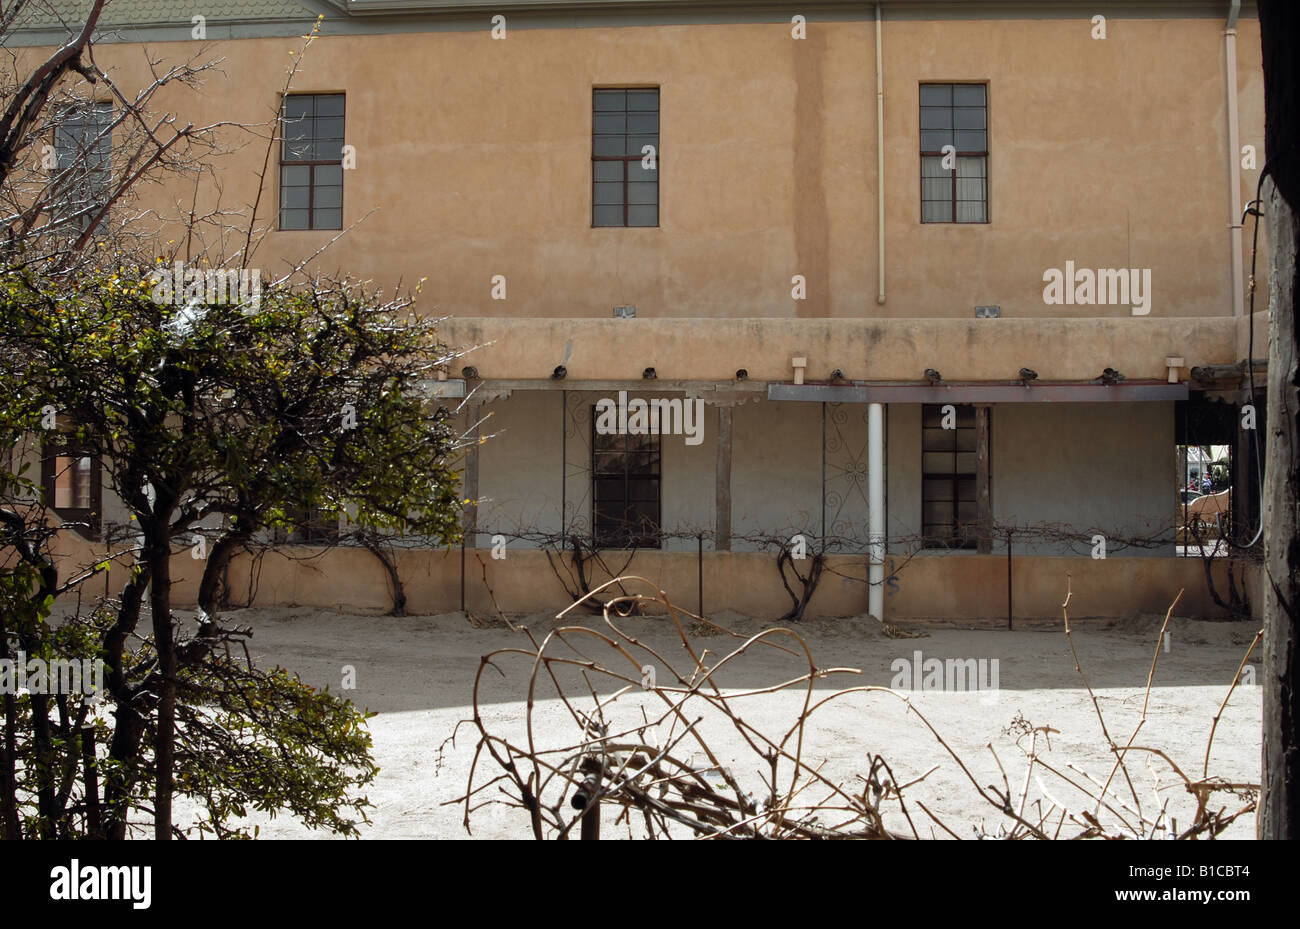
{"type": "Point", "coordinates": [954, 115]}
{"type": "Point", "coordinates": [948, 471]}
{"type": "Point", "coordinates": [73, 486]}
{"type": "Point", "coordinates": [83, 146]}
{"type": "Point", "coordinates": [311, 162]}
{"type": "Point", "coordinates": [311, 527]}
{"type": "Point", "coordinates": [625, 481]}
{"type": "Point", "coordinates": [624, 190]}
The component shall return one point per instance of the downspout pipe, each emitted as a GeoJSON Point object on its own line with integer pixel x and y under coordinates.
{"type": "Point", "coordinates": [1234, 159]}
{"type": "Point", "coordinates": [876, 510]}
{"type": "Point", "coordinates": [880, 167]}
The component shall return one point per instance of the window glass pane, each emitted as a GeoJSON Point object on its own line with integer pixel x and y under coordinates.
{"type": "Point", "coordinates": [293, 219]}
{"type": "Point", "coordinates": [294, 197]}
{"type": "Point", "coordinates": [972, 212]}
{"type": "Point", "coordinates": [932, 166]}
{"type": "Point", "coordinates": [936, 95]}
{"type": "Point", "coordinates": [609, 122]}
{"type": "Point", "coordinates": [331, 128]}
{"type": "Point", "coordinates": [298, 151]}
{"type": "Point", "coordinates": [965, 462]}
{"type": "Point", "coordinates": [608, 192]}
{"type": "Point", "coordinates": [969, 140]}
{"type": "Point", "coordinates": [970, 189]}
{"type": "Point", "coordinates": [64, 483]}
{"type": "Point", "coordinates": [643, 216]}
{"type": "Point", "coordinates": [637, 171]}
{"type": "Point", "coordinates": [937, 117]}
{"type": "Point", "coordinates": [607, 216]}
{"type": "Point", "coordinates": [329, 104]}
{"type": "Point", "coordinates": [967, 117]}
{"type": "Point", "coordinates": [968, 95]}
{"type": "Point", "coordinates": [328, 150]}
{"type": "Point", "coordinates": [607, 145]}
{"type": "Point", "coordinates": [937, 490]}
{"type": "Point", "coordinates": [82, 497]}
{"type": "Point", "coordinates": [635, 144]}
{"type": "Point", "coordinates": [936, 188]}
{"type": "Point", "coordinates": [329, 175]}
{"type": "Point", "coordinates": [643, 100]}
{"type": "Point", "coordinates": [294, 176]}
{"type": "Point", "coordinates": [937, 513]}
{"type": "Point", "coordinates": [643, 193]}
{"type": "Point", "coordinates": [607, 171]}
{"type": "Point", "coordinates": [939, 440]}
{"type": "Point", "coordinates": [933, 140]}
{"type": "Point", "coordinates": [297, 106]}
{"type": "Point", "coordinates": [609, 99]}
{"type": "Point", "coordinates": [643, 122]}
{"type": "Point", "coordinates": [328, 197]}
{"type": "Point", "coordinates": [328, 219]}
{"type": "Point", "coordinates": [971, 166]}
{"type": "Point", "coordinates": [296, 130]}
{"type": "Point", "coordinates": [936, 462]}
{"type": "Point", "coordinates": [936, 211]}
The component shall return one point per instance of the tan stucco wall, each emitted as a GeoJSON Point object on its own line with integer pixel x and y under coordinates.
{"type": "Point", "coordinates": [1110, 153]}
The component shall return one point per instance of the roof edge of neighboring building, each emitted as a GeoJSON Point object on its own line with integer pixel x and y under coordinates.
{"type": "Point", "coordinates": [143, 20]}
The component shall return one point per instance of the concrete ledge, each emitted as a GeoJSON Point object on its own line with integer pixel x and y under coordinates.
{"type": "Point", "coordinates": [864, 349]}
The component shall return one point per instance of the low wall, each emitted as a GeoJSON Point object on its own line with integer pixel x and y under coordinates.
{"type": "Point", "coordinates": [958, 587]}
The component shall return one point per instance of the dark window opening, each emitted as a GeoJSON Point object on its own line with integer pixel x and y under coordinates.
{"type": "Point", "coordinates": [625, 481]}
{"type": "Point", "coordinates": [83, 145]}
{"type": "Point", "coordinates": [954, 115]}
{"type": "Point", "coordinates": [73, 484]}
{"type": "Point", "coordinates": [948, 471]}
{"type": "Point", "coordinates": [624, 186]}
{"type": "Point", "coordinates": [311, 162]}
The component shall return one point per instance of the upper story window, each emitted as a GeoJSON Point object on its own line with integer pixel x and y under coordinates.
{"type": "Point", "coordinates": [83, 146]}
{"type": "Point", "coordinates": [954, 153]}
{"type": "Point", "coordinates": [311, 162]}
{"type": "Point", "coordinates": [625, 157]}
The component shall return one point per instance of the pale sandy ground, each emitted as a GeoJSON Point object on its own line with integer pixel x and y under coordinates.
{"type": "Point", "coordinates": [417, 673]}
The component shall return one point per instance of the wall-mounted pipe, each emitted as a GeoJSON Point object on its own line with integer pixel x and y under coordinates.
{"type": "Point", "coordinates": [880, 166]}
{"type": "Point", "coordinates": [1234, 160]}
{"type": "Point", "coordinates": [876, 510]}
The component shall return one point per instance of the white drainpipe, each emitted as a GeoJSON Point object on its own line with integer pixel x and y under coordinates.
{"type": "Point", "coordinates": [1234, 160]}
{"type": "Point", "coordinates": [876, 509]}
{"type": "Point", "coordinates": [880, 166]}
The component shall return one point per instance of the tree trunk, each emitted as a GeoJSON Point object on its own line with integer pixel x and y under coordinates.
{"type": "Point", "coordinates": [160, 604]}
{"type": "Point", "coordinates": [1279, 816]}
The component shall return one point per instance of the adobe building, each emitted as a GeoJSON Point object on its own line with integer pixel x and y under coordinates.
{"type": "Point", "coordinates": [935, 290]}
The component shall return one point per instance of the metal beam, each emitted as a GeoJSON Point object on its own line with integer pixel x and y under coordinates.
{"type": "Point", "coordinates": [979, 393]}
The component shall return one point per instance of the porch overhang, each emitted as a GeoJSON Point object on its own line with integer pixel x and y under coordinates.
{"type": "Point", "coordinates": [978, 393]}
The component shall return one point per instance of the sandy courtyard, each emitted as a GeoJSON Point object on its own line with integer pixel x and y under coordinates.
{"type": "Point", "coordinates": [417, 673]}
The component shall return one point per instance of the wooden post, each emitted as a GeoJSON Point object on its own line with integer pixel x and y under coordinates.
{"type": "Point", "coordinates": [91, 779]}
{"type": "Point", "coordinates": [722, 505]}
{"type": "Point", "coordinates": [983, 507]}
{"type": "Point", "coordinates": [1279, 813]}
{"type": "Point", "coordinates": [1279, 806]}
{"type": "Point", "coordinates": [470, 524]}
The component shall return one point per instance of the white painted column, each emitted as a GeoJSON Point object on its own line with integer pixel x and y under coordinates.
{"type": "Point", "coordinates": [876, 509]}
